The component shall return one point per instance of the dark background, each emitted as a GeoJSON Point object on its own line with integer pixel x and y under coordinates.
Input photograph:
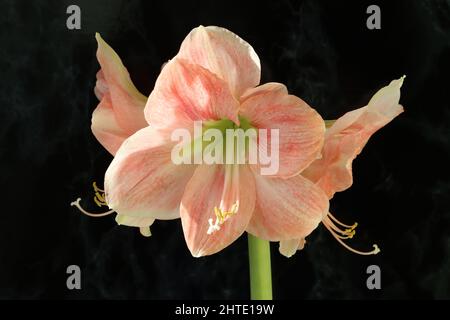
{"type": "Point", "coordinates": [321, 50]}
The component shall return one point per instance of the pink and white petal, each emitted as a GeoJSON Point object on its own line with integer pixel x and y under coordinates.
{"type": "Point", "coordinates": [286, 208]}
{"type": "Point", "coordinates": [208, 189]}
{"type": "Point", "coordinates": [113, 81]}
{"type": "Point", "coordinates": [301, 129]}
{"type": "Point", "coordinates": [142, 180]}
{"type": "Point", "coordinates": [184, 93]}
{"type": "Point", "coordinates": [386, 100]}
{"type": "Point", "coordinates": [225, 54]}
{"type": "Point", "coordinates": [345, 139]}
{"type": "Point", "coordinates": [273, 87]}
{"type": "Point", "coordinates": [289, 247]}
{"type": "Point", "coordinates": [105, 127]}
{"type": "Point", "coordinates": [140, 222]}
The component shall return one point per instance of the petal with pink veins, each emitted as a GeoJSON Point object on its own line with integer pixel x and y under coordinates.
{"type": "Point", "coordinates": [345, 139]}
{"type": "Point", "coordinates": [105, 127]}
{"type": "Point", "coordinates": [215, 187]}
{"type": "Point", "coordinates": [286, 208]}
{"type": "Point", "coordinates": [120, 111]}
{"type": "Point", "coordinates": [225, 54]}
{"type": "Point", "coordinates": [186, 92]}
{"type": "Point", "coordinates": [301, 129]}
{"type": "Point", "coordinates": [142, 181]}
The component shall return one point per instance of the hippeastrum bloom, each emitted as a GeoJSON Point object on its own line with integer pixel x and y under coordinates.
{"type": "Point", "coordinates": [344, 140]}
{"type": "Point", "coordinates": [215, 79]}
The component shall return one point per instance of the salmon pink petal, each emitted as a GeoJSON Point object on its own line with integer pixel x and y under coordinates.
{"type": "Point", "coordinates": [225, 54]}
{"type": "Point", "coordinates": [286, 208]}
{"type": "Point", "coordinates": [120, 112]}
{"type": "Point", "coordinates": [105, 127]}
{"type": "Point", "coordinates": [301, 129]}
{"type": "Point", "coordinates": [142, 180]}
{"type": "Point", "coordinates": [186, 92]}
{"type": "Point", "coordinates": [216, 207]}
{"type": "Point", "coordinates": [345, 139]}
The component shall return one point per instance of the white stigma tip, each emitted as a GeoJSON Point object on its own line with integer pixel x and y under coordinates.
{"type": "Point", "coordinates": [76, 202]}
{"type": "Point", "coordinates": [213, 227]}
{"type": "Point", "coordinates": [376, 249]}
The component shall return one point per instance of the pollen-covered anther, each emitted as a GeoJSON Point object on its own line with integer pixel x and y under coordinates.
{"type": "Point", "coordinates": [99, 197]}
{"type": "Point", "coordinates": [350, 233]}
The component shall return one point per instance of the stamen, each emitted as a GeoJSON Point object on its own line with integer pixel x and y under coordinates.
{"type": "Point", "coordinates": [341, 235]}
{"type": "Point", "coordinates": [345, 234]}
{"type": "Point", "coordinates": [342, 224]}
{"type": "Point", "coordinates": [229, 203]}
{"type": "Point", "coordinates": [99, 199]}
{"type": "Point", "coordinates": [96, 189]}
{"type": "Point", "coordinates": [218, 214]}
{"type": "Point", "coordinates": [221, 217]}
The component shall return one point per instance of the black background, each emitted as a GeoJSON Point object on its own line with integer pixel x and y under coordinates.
{"type": "Point", "coordinates": [321, 50]}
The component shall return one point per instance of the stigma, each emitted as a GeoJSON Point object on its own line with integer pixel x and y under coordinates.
{"type": "Point", "coordinates": [342, 232]}
{"type": "Point", "coordinates": [221, 217]}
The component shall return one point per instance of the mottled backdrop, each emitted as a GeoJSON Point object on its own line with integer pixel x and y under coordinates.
{"type": "Point", "coordinates": [324, 53]}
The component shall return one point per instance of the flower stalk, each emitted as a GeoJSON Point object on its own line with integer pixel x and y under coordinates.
{"type": "Point", "coordinates": [260, 268]}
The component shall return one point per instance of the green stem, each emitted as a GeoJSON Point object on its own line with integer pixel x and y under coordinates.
{"type": "Point", "coordinates": [260, 270]}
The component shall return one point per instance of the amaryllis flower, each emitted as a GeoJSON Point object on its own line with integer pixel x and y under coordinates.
{"type": "Point", "coordinates": [215, 79]}
{"type": "Point", "coordinates": [344, 140]}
